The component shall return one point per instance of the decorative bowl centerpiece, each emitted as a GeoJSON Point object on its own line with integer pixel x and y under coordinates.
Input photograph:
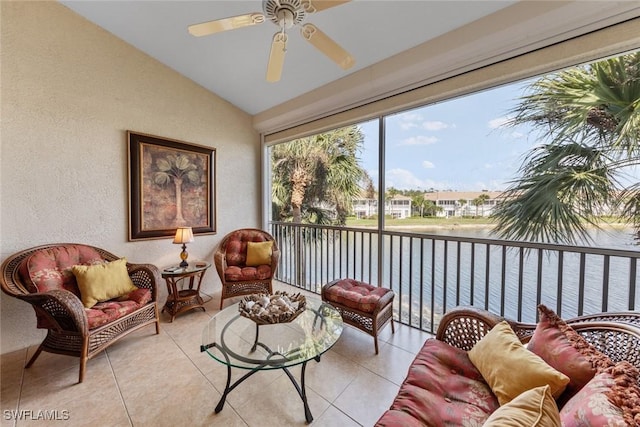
{"type": "Point", "coordinates": [265, 309]}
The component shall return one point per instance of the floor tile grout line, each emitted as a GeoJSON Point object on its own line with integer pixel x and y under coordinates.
{"type": "Point", "coordinates": [203, 374]}
{"type": "Point", "coordinates": [331, 403]}
{"type": "Point", "coordinates": [19, 402]}
{"type": "Point", "coordinates": [115, 378]}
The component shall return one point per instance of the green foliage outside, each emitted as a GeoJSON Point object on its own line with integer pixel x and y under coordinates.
{"type": "Point", "coordinates": [315, 179]}
{"type": "Point", "coordinates": [588, 118]}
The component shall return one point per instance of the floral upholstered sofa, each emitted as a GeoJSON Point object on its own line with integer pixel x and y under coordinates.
{"type": "Point", "coordinates": [84, 296]}
{"type": "Point", "coordinates": [484, 370]}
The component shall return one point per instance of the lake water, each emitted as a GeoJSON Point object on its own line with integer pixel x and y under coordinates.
{"type": "Point", "coordinates": [608, 237]}
{"type": "Point", "coordinates": [499, 282]}
{"type": "Point", "coordinates": [430, 277]}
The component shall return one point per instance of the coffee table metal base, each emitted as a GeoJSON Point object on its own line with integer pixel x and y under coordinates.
{"type": "Point", "coordinates": [322, 328]}
{"type": "Point", "coordinates": [300, 388]}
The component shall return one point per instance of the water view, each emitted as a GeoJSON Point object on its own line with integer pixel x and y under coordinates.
{"type": "Point", "coordinates": [434, 272]}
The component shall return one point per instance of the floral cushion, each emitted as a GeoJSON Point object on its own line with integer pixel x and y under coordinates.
{"type": "Point", "coordinates": [140, 296]}
{"type": "Point", "coordinates": [236, 246]}
{"type": "Point", "coordinates": [106, 312]}
{"type": "Point", "coordinates": [442, 388]}
{"type": "Point", "coordinates": [237, 274]}
{"type": "Point", "coordinates": [566, 351]}
{"type": "Point", "coordinates": [611, 399]}
{"type": "Point", "coordinates": [354, 294]}
{"type": "Point", "coordinates": [50, 268]}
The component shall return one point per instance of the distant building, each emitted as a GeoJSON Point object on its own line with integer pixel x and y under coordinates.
{"type": "Point", "coordinates": [365, 208]}
{"type": "Point", "coordinates": [463, 203]}
{"type": "Point", "coordinates": [397, 207]}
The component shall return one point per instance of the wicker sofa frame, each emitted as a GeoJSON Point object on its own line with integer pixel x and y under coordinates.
{"type": "Point", "coordinates": [232, 289]}
{"type": "Point", "coordinates": [68, 332]}
{"type": "Point", "coordinates": [615, 334]}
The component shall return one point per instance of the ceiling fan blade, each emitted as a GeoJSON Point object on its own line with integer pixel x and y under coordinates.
{"type": "Point", "coordinates": [276, 57]}
{"type": "Point", "coordinates": [225, 24]}
{"type": "Point", "coordinates": [311, 6]}
{"type": "Point", "coordinates": [324, 44]}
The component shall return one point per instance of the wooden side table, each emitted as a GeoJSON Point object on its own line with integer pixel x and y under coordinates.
{"type": "Point", "coordinates": [188, 297]}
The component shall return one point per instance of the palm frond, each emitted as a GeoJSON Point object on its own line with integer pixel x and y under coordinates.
{"type": "Point", "coordinates": [557, 196]}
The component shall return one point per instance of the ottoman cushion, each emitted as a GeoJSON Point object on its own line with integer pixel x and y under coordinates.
{"type": "Point", "coordinates": [354, 294]}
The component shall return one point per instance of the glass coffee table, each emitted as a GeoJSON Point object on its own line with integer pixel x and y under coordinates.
{"type": "Point", "coordinates": [239, 342]}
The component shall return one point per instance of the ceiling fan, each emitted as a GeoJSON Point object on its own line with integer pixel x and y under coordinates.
{"type": "Point", "coordinates": [285, 14]}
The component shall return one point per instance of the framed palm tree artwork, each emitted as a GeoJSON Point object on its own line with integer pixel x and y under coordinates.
{"type": "Point", "coordinates": [171, 185]}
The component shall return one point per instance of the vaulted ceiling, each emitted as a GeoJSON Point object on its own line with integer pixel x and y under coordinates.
{"type": "Point", "coordinates": [380, 35]}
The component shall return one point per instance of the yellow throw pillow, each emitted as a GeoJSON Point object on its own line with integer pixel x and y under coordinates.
{"type": "Point", "coordinates": [259, 253]}
{"type": "Point", "coordinates": [103, 282]}
{"type": "Point", "coordinates": [509, 368]}
{"type": "Point", "coordinates": [533, 408]}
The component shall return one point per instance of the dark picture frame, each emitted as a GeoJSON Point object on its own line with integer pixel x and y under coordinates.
{"type": "Point", "coordinates": [171, 184]}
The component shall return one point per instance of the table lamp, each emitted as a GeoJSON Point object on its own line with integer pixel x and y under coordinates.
{"type": "Point", "coordinates": [184, 235]}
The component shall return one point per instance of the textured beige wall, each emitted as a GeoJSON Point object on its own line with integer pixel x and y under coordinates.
{"type": "Point", "coordinates": [69, 92]}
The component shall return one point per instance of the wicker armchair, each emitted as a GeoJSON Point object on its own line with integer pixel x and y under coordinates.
{"type": "Point", "coordinates": [230, 259]}
{"type": "Point", "coordinates": [615, 334]}
{"type": "Point", "coordinates": [70, 326]}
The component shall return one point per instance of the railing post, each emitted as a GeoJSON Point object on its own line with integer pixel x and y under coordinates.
{"type": "Point", "coordinates": [527, 276]}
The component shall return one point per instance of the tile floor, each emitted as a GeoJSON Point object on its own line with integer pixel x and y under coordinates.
{"type": "Point", "coordinates": [164, 380]}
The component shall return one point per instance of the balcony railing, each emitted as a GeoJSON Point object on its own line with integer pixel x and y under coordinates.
{"type": "Point", "coordinates": [431, 273]}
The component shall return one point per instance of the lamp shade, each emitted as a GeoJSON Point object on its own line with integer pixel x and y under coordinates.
{"type": "Point", "coordinates": [183, 235]}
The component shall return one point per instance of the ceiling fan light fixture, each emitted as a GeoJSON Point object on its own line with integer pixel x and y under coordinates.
{"type": "Point", "coordinates": [285, 14]}
{"type": "Point", "coordinates": [289, 12]}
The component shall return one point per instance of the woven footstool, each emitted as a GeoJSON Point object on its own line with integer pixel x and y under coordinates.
{"type": "Point", "coordinates": [368, 308]}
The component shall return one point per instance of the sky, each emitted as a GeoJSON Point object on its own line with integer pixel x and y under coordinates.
{"type": "Point", "coordinates": [460, 144]}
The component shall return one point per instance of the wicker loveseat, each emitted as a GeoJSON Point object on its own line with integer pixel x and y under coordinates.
{"type": "Point", "coordinates": [44, 276]}
{"type": "Point", "coordinates": [600, 355]}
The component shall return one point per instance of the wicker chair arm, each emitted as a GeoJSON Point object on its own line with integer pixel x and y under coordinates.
{"type": "Point", "coordinates": [463, 327]}
{"type": "Point", "coordinates": [382, 302]}
{"type": "Point", "coordinates": [619, 341]}
{"type": "Point", "coordinates": [629, 317]}
{"type": "Point", "coordinates": [145, 276]}
{"type": "Point", "coordinates": [62, 309]}
{"type": "Point", "coordinates": [275, 257]}
{"type": "Point", "coordinates": [219, 259]}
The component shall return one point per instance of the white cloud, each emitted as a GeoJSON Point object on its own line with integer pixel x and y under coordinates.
{"type": "Point", "coordinates": [409, 120]}
{"type": "Point", "coordinates": [499, 122]}
{"type": "Point", "coordinates": [403, 179]}
{"type": "Point", "coordinates": [428, 165]}
{"type": "Point", "coordinates": [419, 140]}
{"type": "Point", "coordinates": [435, 125]}
{"type": "Point", "coordinates": [412, 120]}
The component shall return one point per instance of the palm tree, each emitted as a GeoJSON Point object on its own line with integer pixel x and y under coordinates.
{"type": "Point", "coordinates": [589, 117]}
{"type": "Point", "coordinates": [480, 201]}
{"type": "Point", "coordinates": [316, 178]}
{"type": "Point", "coordinates": [431, 209]}
{"type": "Point", "coordinates": [484, 198]}
{"type": "Point", "coordinates": [419, 203]}
{"type": "Point", "coordinates": [176, 168]}
{"type": "Point", "coordinates": [462, 202]}
{"type": "Point", "coordinates": [389, 196]}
